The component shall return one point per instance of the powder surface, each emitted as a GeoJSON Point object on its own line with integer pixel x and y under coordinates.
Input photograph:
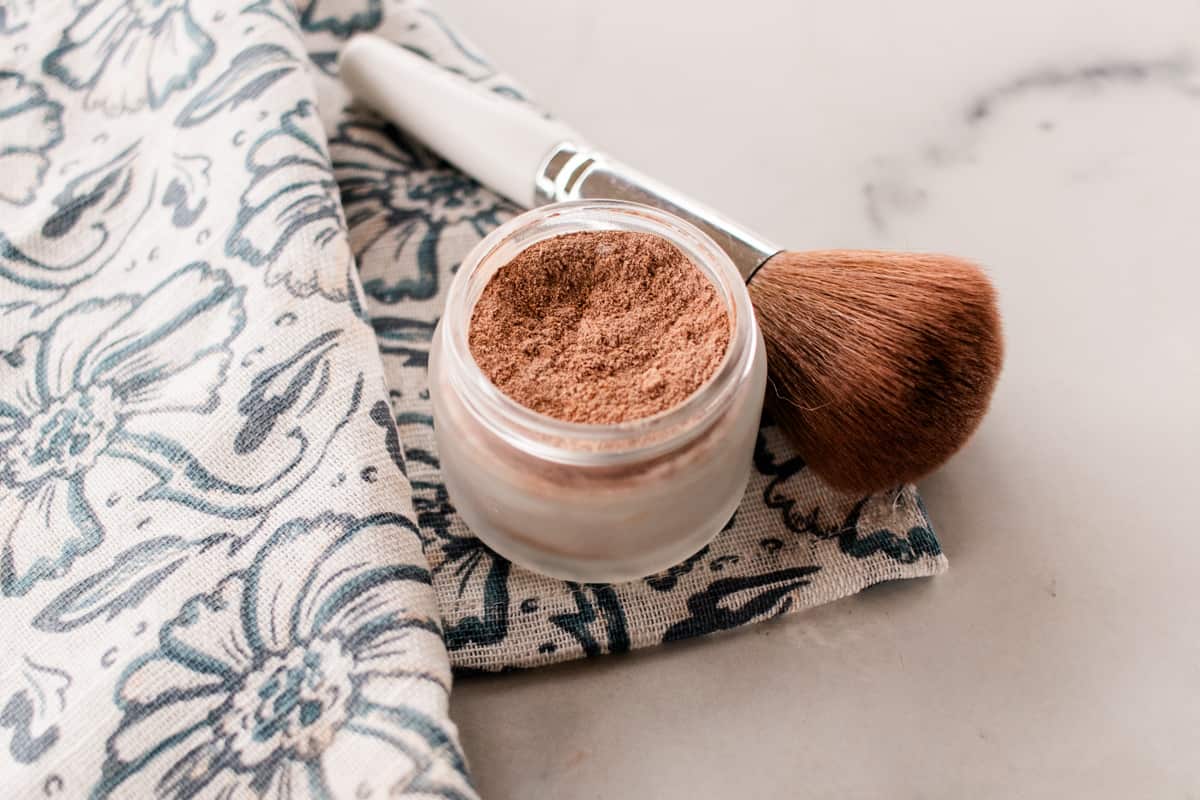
{"type": "Point", "coordinates": [599, 327]}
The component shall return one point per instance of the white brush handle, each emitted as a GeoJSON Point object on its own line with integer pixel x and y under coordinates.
{"type": "Point", "coordinates": [510, 148]}
{"type": "Point", "coordinates": [500, 142]}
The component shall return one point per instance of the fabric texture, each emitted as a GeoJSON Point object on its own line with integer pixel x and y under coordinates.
{"type": "Point", "coordinates": [228, 565]}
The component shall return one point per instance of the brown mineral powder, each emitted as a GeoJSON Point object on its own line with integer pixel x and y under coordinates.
{"type": "Point", "coordinates": [599, 327]}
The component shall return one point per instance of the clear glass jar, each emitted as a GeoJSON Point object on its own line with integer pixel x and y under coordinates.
{"type": "Point", "coordinates": [595, 503]}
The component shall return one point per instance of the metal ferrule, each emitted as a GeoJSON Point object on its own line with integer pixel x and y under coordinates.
{"type": "Point", "coordinates": [570, 172]}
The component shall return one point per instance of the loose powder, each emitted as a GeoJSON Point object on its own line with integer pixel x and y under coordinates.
{"type": "Point", "coordinates": [599, 327]}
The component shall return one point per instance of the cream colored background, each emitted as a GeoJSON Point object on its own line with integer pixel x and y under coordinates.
{"type": "Point", "coordinates": [1060, 657]}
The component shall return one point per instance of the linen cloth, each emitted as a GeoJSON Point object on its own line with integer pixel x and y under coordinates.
{"type": "Point", "coordinates": [228, 565]}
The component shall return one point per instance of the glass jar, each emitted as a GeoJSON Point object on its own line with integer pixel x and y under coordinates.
{"type": "Point", "coordinates": [595, 503]}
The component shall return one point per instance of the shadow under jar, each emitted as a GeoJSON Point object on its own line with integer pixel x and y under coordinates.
{"type": "Point", "coordinates": [595, 503]}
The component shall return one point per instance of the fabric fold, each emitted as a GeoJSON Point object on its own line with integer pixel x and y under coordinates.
{"type": "Point", "coordinates": [212, 573]}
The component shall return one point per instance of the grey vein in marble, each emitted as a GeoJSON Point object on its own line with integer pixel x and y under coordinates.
{"type": "Point", "coordinates": [894, 190]}
{"type": "Point", "coordinates": [1174, 72]}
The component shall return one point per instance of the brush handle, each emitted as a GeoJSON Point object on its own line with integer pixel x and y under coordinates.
{"type": "Point", "coordinates": [513, 150]}
{"type": "Point", "coordinates": [499, 142]}
{"type": "Point", "coordinates": [570, 173]}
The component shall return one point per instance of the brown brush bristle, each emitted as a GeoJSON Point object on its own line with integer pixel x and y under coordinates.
{"type": "Point", "coordinates": [881, 364]}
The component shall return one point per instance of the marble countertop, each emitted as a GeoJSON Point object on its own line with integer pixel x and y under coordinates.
{"type": "Point", "coordinates": [1054, 141]}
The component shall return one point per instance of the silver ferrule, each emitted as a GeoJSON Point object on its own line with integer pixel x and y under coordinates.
{"type": "Point", "coordinates": [570, 172]}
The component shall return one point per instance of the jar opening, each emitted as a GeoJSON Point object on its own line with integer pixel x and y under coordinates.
{"type": "Point", "coordinates": [581, 443]}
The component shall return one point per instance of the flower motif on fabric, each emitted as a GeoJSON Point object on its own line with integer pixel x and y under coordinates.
{"type": "Point", "coordinates": [32, 707]}
{"type": "Point", "coordinates": [478, 611]}
{"type": "Point", "coordinates": [186, 192]}
{"type": "Point", "coordinates": [15, 15]}
{"type": "Point", "coordinates": [342, 18]}
{"type": "Point", "coordinates": [871, 528]}
{"type": "Point", "coordinates": [30, 125]}
{"type": "Point", "coordinates": [91, 218]}
{"type": "Point", "coordinates": [129, 54]}
{"type": "Point", "coordinates": [411, 218]}
{"type": "Point", "coordinates": [72, 395]}
{"type": "Point", "coordinates": [290, 218]}
{"type": "Point", "coordinates": [891, 523]}
{"type": "Point", "coordinates": [250, 74]}
{"type": "Point", "coordinates": [306, 675]}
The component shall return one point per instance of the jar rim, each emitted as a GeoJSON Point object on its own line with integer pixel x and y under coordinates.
{"type": "Point", "coordinates": [593, 444]}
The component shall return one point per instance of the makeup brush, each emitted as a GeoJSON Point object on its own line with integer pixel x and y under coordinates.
{"type": "Point", "coordinates": [881, 364]}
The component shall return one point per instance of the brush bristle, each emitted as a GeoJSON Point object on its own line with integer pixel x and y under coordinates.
{"type": "Point", "coordinates": [881, 364]}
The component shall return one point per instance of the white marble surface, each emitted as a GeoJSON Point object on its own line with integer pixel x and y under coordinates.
{"type": "Point", "coordinates": [1058, 143]}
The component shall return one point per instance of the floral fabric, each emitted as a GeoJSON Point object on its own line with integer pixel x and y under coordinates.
{"type": "Point", "coordinates": [212, 578]}
{"type": "Point", "coordinates": [228, 565]}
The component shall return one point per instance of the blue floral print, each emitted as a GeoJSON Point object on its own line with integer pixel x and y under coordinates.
{"type": "Point", "coordinates": [90, 220]}
{"type": "Point", "coordinates": [290, 204]}
{"type": "Point", "coordinates": [30, 125]}
{"type": "Point", "coordinates": [15, 15]}
{"type": "Point", "coordinates": [340, 17]}
{"type": "Point", "coordinates": [70, 396]}
{"type": "Point", "coordinates": [406, 211]}
{"type": "Point", "coordinates": [129, 54]}
{"type": "Point", "coordinates": [287, 670]}
{"type": "Point", "coordinates": [209, 566]}
{"type": "Point", "coordinates": [250, 74]}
